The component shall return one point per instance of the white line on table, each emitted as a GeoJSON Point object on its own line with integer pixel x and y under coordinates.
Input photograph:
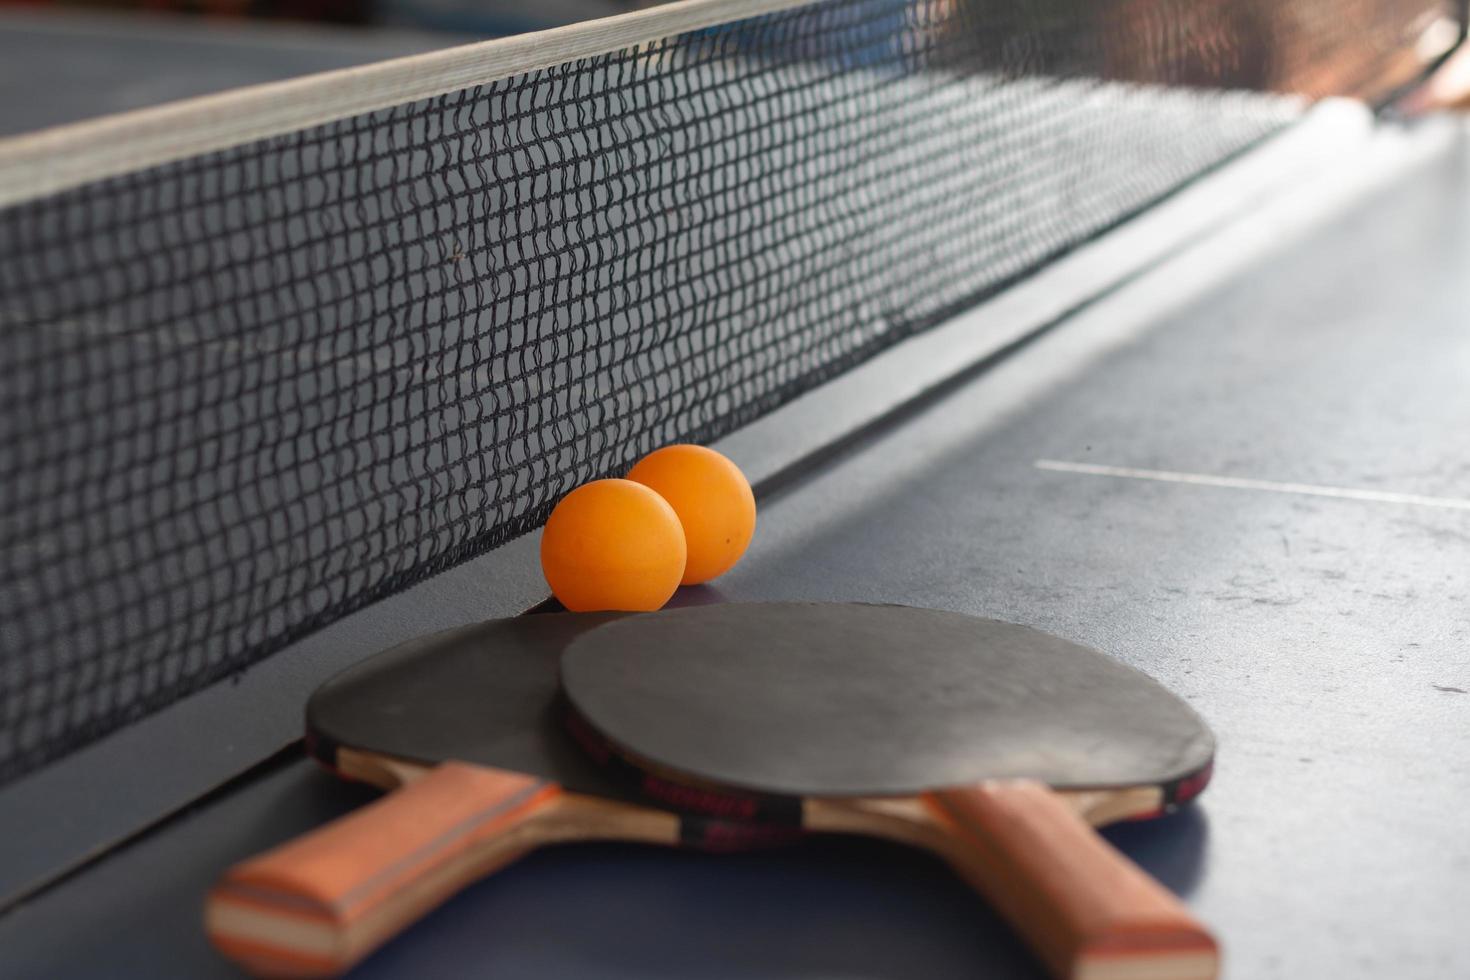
{"type": "Point", "coordinates": [1242, 483]}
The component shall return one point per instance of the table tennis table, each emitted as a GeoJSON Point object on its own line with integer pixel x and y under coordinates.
{"type": "Point", "coordinates": [1239, 466]}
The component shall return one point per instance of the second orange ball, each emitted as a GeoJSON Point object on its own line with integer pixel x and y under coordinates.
{"type": "Point", "coordinates": [713, 500]}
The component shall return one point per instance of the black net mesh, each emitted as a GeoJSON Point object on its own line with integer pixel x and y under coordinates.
{"type": "Point", "coordinates": [245, 393]}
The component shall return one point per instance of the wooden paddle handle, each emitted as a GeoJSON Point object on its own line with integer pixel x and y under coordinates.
{"type": "Point", "coordinates": [1088, 912]}
{"type": "Point", "coordinates": [315, 906]}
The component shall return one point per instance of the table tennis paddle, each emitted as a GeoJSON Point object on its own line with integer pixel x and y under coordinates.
{"type": "Point", "coordinates": [462, 725]}
{"type": "Point", "coordinates": [996, 746]}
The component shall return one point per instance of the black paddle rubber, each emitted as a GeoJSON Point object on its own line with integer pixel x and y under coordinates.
{"type": "Point", "coordinates": [484, 694]}
{"type": "Point", "coordinates": [835, 699]}
{"type": "Point", "coordinates": [487, 694]}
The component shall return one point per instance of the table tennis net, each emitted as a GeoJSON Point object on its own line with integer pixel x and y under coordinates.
{"type": "Point", "coordinates": [246, 392]}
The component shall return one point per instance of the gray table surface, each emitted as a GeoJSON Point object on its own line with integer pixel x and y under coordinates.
{"type": "Point", "coordinates": [1325, 639]}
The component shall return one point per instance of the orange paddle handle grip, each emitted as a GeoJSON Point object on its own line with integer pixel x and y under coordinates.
{"type": "Point", "coordinates": [316, 905]}
{"type": "Point", "coordinates": [1087, 911]}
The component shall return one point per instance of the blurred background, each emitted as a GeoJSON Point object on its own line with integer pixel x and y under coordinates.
{"type": "Point", "coordinates": [66, 60]}
{"type": "Point", "coordinates": [63, 61]}
{"type": "Point", "coordinates": [475, 17]}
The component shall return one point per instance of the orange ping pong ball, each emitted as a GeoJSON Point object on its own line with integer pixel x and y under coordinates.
{"type": "Point", "coordinates": [613, 544]}
{"type": "Point", "coordinates": [713, 500]}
